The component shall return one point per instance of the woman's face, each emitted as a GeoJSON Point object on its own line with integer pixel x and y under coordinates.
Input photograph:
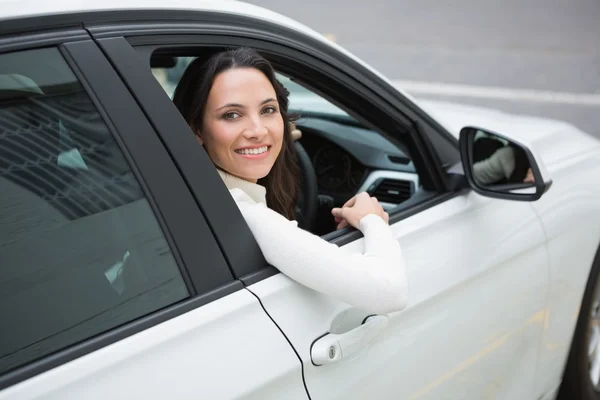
{"type": "Point", "coordinates": [242, 130]}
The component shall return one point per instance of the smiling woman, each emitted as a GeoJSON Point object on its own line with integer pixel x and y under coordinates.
{"type": "Point", "coordinates": [231, 104]}
{"type": "Point", "coordinates": [251, 125]}
{"type": "Point", "coordinates": [238, 111]}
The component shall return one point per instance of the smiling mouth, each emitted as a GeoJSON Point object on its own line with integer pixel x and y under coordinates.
{"type": "Point", "coordinates": [257, 150]}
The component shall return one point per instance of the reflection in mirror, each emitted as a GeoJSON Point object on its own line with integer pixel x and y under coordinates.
{"type": "Point", "coordinates": [500, 163]}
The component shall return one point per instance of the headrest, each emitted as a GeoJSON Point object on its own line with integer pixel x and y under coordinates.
{"type": "Point", "coordinates": [15, 86]}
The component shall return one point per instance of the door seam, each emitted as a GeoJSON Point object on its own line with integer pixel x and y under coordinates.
{"type": "Point", "coordinates": [547, 303]}
{"type": "Point", "coordinates": [286, 338]}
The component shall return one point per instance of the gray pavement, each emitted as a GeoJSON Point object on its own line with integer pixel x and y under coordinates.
{"type": "Point", "coordinates": [539, 45]}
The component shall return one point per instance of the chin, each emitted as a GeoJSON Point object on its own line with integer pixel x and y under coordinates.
{"type": "Point", "coordinates": [258, 177]}
{"type": "Point", "coordinates": [254, 175]}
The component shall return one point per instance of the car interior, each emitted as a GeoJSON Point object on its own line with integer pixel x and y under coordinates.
{"type": "Point", "coordinates": [341, 153]}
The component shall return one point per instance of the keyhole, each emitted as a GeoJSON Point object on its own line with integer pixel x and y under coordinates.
{"type": "Point", "coordinates": [332, 352]}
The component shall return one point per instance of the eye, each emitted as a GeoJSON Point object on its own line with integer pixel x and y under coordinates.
{"type": "Point", "coordinates": [231, 115]}
{"type": "Point", "coordinates": [269, 110]}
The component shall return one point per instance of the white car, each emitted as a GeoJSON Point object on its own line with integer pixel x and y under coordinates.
{"type": "Point", "coordinates": [127, 271]}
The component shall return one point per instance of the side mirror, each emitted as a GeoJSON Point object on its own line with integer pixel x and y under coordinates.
{"type": "Point", "coordinates": [500, 167]}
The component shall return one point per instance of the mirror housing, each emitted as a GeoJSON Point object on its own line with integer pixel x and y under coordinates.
{"type": "Point", "coordinates": [500, 167]}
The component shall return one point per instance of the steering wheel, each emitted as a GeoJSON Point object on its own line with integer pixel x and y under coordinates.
{"type": "Point", "coordinates": [307, 204]}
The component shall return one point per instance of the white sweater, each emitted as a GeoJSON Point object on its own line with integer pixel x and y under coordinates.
{"type": "Point", "coordinates": [374, 281]}
{"type": "Point", "coordinates": [499, 165]}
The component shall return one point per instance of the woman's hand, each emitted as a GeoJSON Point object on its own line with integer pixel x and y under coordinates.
{"type": "Point", "coordinates": [356, 208]}
{"type": "Point", "coordinates": [529, 177]}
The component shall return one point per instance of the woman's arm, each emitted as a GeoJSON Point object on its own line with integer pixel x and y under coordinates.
{"type": "Point", "coordinates": [375, 281]}
{"type": "Point", "coordinates": [498, 166]}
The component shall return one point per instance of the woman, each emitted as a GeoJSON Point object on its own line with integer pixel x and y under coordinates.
{"type": "Point", "coordinates": [238, 111]}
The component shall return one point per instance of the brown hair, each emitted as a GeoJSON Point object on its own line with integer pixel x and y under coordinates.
{"type": "Point", "coordinates": [191, 96]}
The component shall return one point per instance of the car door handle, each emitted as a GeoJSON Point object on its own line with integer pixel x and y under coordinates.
{"type": "Point", "coordinates": [332, 348]}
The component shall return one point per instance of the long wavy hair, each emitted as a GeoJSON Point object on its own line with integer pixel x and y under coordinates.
{"type": "Point", "coordinates": [191, 96]}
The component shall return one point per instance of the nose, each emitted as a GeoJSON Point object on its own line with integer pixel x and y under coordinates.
{"type": "Point", "coordinates": [256, 129]}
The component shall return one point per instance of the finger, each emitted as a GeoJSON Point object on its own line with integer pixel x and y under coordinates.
{"type": "Point", "coordinates": [342, 224]}
{"type": "Point", "coordinates": [350, 202]}
{"type": "Point", "coordinates": [379, 207]}
{"type": "Point", "coordinates": [339, 213]}
{"type": "Point", "coordinates": [363, 195]}
{"type": "Point", "coordinates": [386, 217]}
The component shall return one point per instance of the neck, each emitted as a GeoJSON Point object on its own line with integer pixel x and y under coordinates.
{"type": "Point", "coordinates": [255, 191]}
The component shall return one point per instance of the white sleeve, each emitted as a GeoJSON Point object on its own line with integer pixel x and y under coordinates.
{"type": "Point", "coordinates": [374, 281]}
{"type": "Point", "coordinates": [498, 166]}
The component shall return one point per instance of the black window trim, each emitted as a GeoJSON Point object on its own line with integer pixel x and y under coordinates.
{"type": "Point", "coordinates": [108, 94]}
{"type": "Point", "coordinates": [156, 173]}
{"type": "Point", "coordinates": [54, 37]}
{"type": "Point", "coordinates": [241, 251]}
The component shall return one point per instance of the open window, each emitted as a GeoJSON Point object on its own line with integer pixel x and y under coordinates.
{"type": "Point", "coordinates": [353, 146]}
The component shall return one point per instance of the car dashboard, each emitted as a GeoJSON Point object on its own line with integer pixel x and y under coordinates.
{"type": "Point", "coordinates": [349, 159]}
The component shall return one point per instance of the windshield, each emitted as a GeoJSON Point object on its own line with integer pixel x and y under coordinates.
{"type": "Point", "coordinates": [303, 100]}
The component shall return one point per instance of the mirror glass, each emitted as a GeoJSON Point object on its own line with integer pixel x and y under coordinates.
{"type": "Point", "coordinates": [500, 164]}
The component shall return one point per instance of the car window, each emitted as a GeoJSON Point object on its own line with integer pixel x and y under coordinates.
{"type": "Point", "coordinates": [347, 156]}
{"type": "Point", "coordinates": [81, 251]}
{"type": "Point", "coordinates": [303, 100]}
{"type": "Point", "coordinates": [168, 77]}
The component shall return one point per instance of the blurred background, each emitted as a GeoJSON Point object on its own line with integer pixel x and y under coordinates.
{"type": "Point", "coordinates": [532, 57]}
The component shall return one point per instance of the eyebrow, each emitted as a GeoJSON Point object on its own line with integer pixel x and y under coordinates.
{"type": "Point", "coordinates": [242, 106]}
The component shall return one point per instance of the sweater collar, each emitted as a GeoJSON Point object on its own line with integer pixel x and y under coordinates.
{"type": "Point", "coordinates": [256, 192]}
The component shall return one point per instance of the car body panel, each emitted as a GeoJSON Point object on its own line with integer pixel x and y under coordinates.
{"type": "Point", "coordinates": [571, 157]}
{"type": "Point", "coordinates": [570, 212]}
{"type": "Point", "coordinates": [478, 275]}
{"type": "Point", "coordinates": [553, 140]}
{"type": "Point", "coordinates": [197, 354]}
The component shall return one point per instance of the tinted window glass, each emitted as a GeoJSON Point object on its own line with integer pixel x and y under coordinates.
{"type": "Point", "coordinates": [81, 251]}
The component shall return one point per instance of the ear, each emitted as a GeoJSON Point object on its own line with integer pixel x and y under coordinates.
{"type": "Point", "coordinates": [199, 138]}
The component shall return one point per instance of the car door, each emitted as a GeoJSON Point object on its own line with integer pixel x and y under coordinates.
{"type": "Point", "coordinates": [477, 267]}
{"type": "Point", "coordinates": [478, 277]}
{"type": "Point", "coordinates": [112, 284]}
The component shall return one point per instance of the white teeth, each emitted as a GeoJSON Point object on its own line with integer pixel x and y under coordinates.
{"type": "Point", "coordinates": [259, 150]}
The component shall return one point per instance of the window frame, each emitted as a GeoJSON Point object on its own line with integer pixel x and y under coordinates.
{"type": "Point", "coordinates": [203, 268]}
{"type": "Point", "coordinates": [241, 250]}
{"type": "Point", "coordinates": [122, 42]}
